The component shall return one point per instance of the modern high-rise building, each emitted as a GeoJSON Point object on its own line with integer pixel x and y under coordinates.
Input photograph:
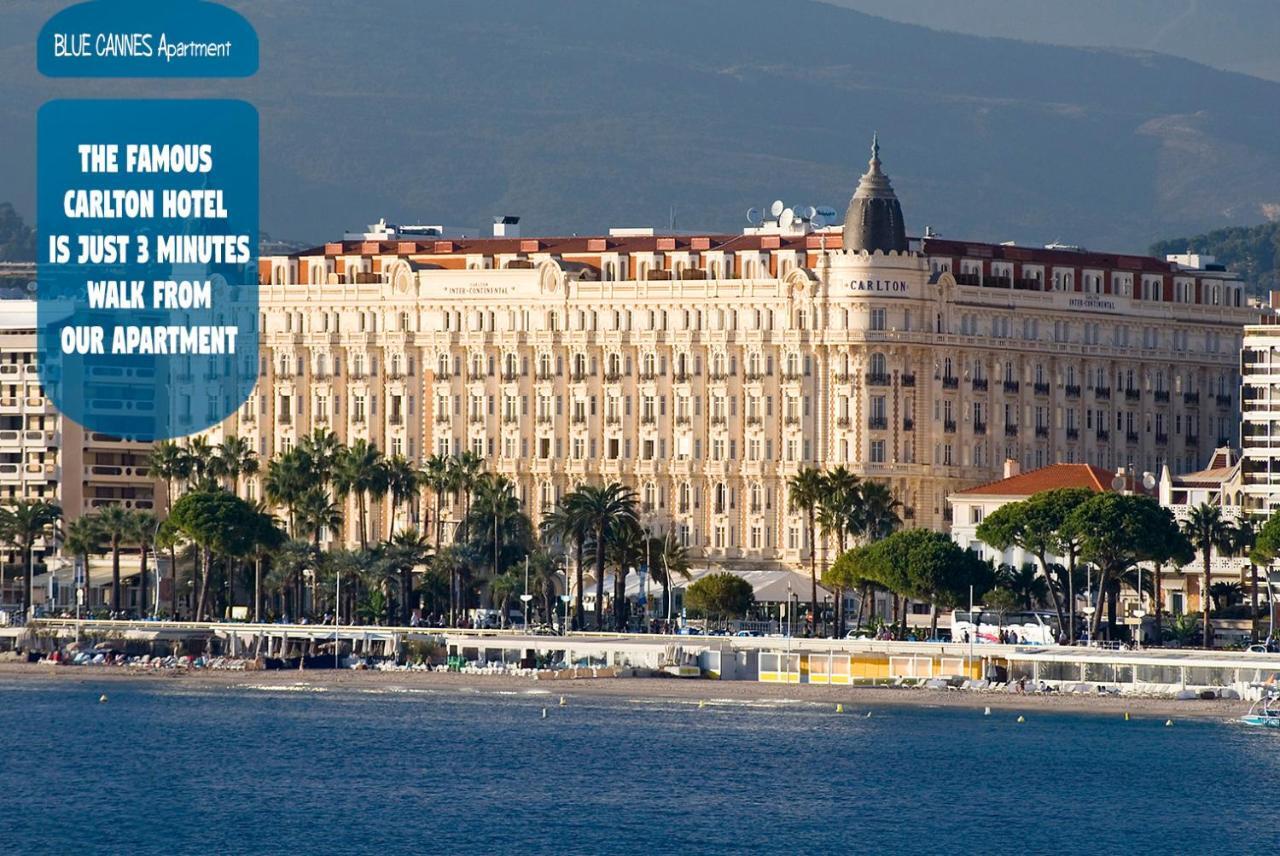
{"type": "Point", "coordinates": [45, 456]}
{"type": "Point", "coordinates": [1259, 476]}
{"type": "Point", "coordinates": [703, 370]}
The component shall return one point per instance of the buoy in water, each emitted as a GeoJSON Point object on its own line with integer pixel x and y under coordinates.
{"type": "Point", "coordinates": [986, 711]}
{"type": "Point", "coordinates": [1022, 719]}
{"type": "Point", "coordinates": [1168, 723]}
{"type": "Point", "coordinates": [544, 713]}
{"type": "Point", "coordinates": [868, 714]}
{"type": "Point", "coordinates": [102, 699]}
{"type": "Point", "coordinates": [1126, 716]}
{"type": "Point", "coordinates": [562, 701]}
{"type": "Point", "coordinates": [839, 708]}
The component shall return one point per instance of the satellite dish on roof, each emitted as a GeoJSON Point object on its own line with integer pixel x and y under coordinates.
{"type": "Point", "coordinates": [787, 219]}
{"type": "Point", "coordinates": [818, 221]}
{"type": "Point", "coordinates": [1118, 482]}
{"type": "Point", "coordinates": [825, 211]}
{"type": "Point", "coordinates": [1148, 481]}
{"type": "Point", "coordinates": [810, 213]}
{"type": "Point", "coordinates": [777, 208]}
{"type": "Point", "coordinates": [754, 216]}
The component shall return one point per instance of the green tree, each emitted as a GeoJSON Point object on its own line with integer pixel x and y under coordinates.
{"type": "Point", "coordinates": [602, 510]}
{"type": "Point", "coordinates": [719, 596]}
{"type": "Point", "coordinates": [361, 471]}
{"type": "Point", "coordinates": [805, 490]}
{"type": "Point", "coordinates": [838, 512]}
{"type": "Point", "coordinates": [117, 525]}
{"type": "Point", "coordinates": [407, 550]}
{"type": "Point", "coordinates": [83, 540]}
{"type": "Point", "coordinates": [315, 513]}
{"type": "Point", "coordinates": [403, 481]}
{"type": "Point", "coordinates": [465, 474]}
{"type": "Point", "coordinates": [143, 535]}
{"type": "Point", "coordinates": [286, 480]}
{"type": "Point", "coordinates": [668, 561]}
{"type": "Point", "coordinates": [222, 525]}
{"type": "Point", "coordinates": [563, 525]}
{"type": "Point", "coordinates": [169, 461]}
{"type": "Point", "coordinates": [1115, 532]}
{"type": "Point", "coordinates": [438, 475]}
{"type": "Point", "coordinates": [1034, 525]}
{"type": "Point", "coordinates": [1206, 530]}
{"type": "Point", "coordinates": [22, 523]}
{"type": "Point", "coordinates": [236, 460]}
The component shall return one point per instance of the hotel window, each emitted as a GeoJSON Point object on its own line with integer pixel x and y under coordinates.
{"type": "Point", "coordinates": [878, 319]}
{"type": "Point", "coordinates": [877, 451]}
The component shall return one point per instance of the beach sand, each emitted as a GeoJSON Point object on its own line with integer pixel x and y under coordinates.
{"type": "Point", "coordinates": [854, 699]}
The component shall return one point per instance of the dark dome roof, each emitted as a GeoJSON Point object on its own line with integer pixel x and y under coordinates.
{"type": "Point", "coordinates": [873, 220]}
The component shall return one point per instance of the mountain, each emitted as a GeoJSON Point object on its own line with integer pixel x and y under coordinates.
{"type": "Point", "coordinates": [1236, 35]}
{"type": "Point", "coordinates": [1253, 251]}
{"type": "Point", "coordinates": [579, 115]}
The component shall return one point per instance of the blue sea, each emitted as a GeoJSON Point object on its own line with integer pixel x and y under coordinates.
{"type": "Point", "coordinates": [168, 769]}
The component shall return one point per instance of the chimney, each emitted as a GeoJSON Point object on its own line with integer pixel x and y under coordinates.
{"type": "Point", "coordinates": [506, 226]}
{"type": "Point", "coordinates": [1011, 468]}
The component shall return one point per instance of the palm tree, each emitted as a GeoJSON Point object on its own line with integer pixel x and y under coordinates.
{"type": "Point", "coordinates": [286, 481]}
{"type": "Point", "coordinates": [84, 539]}
{"type": "Point", "coordinates": [562, 525]}
{"type": "Point", "coordinates": [236, 459]}
{"type": "Point", "coordinates": [145, 525]}
{"type": "Point", "coordinates": [118, 528]}
{"type": "Point", "coordinates": [805, 490]}
{"type": "Point", "coordinates": [316, 513]}
{"type": "Point", "coordinates": [438, 475]}
{"type": "Point", "coordinates": [837, 511]}
{"type": "Point", "coordinates": [502, 588]}
{"type": "Point", "coordinates": [203, 461]}
{"type": "Point", "coordinates": [21, 524]}
{"type": "Point", "coordinates": [496, 515]}
{"type": "Point", "coordinates": [1207, 530]}
{"type": "Point", "coordinates": [467, 468]}
{"type": "Point", "coordinates": [170, 462]}
{"type": "Point", "coordinates": [668, 559]}
{"type": "Point", "coordinates": [603, 510]}
{"type": "Point", "coordinates": [876, 518]}
{"type": "Point", "coordinates": [361, 470]}
{"type": "Point", "coordinates": [402, 484]}
{"type": "Point", "coordinates": [407, 549]}
{"type": "Point", "coordinates": [626, 545]}
{"type": "Point", "coordinates": [321, 450]}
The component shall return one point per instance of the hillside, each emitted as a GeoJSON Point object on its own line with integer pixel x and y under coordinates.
{"type": "Point", "coordinates": [1253, 251]}
{"type": "Point", "coordinates": [580, 115]}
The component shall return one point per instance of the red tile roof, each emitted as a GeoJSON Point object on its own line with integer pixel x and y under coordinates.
{"type": "Point", "coordinates": [1046, 478]}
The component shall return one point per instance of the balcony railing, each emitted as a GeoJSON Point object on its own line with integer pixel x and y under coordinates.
{"type": "Point", "coordinates": [1072, 390]}
{"type": "Point", "coordinates": [1011, 386]}
{"type": "Point", "coordinates": [1042, 431]}
{"type": "Point", "coordinates": [1011, 430]}
{"type": "Point", "coordinates": [1190, 398]}
{"type": "Point", "coordinates": [1133, 395]}
{"type": "Point", "coordinates": [908, 379]}
{"type": "Point", "coordinates": [1162, 396]}
{"type": "Point", "coordinates": [877, 379]}
{"type": "Point", "coordinates": [1223, 400]}
{"type": "Point", "coordinates": [1131, 436]}
{"type": "Point", "coordinates": [980, 384]}
{"type": "Point", "coordinates": [1103, 434]}
{"type": "Point", "coordinates": [908, 424]}
{"type": "Point", "coordinates": [1102, 393]}
{"type": "Point", "coordinates": [1162, 439]}
{"type": "Point", "coordinates": [1042, 389]}
{"type": "Point", "coordinates": [980, 428]}
{"type": "Point", "coordinates": [1073, 433]}
{"type": "Point", "coordinates": [877, 423]}
{"type": "Point", "coordinates": [949, 426]}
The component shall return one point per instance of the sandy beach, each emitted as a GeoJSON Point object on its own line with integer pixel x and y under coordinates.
{"type": "Point", "coordinates": [692, 690]}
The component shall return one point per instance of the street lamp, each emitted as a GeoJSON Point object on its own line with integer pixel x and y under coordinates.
{"type": "Point", "coordinates": [564, 623]}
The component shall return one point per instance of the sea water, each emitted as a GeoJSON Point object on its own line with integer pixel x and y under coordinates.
{"type": "Point", "coordinates": [164, 768]}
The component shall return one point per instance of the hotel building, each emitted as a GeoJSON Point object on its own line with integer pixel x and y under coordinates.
{"type": "Point", "coordinates": [704, 370]}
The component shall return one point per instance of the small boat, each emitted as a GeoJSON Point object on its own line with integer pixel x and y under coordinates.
{"type": "Point", "coordinates": [1265, 713]}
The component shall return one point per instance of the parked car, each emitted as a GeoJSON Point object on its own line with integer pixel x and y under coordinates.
{"type": "Point", "coordinates": [749, 633]}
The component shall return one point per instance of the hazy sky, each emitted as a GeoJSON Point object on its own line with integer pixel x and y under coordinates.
{"type": "Point", "coordinates": [1236, 35]}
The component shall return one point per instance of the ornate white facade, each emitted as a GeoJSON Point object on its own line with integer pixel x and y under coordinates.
{"type": "Point", "coordinates": [705, 370]}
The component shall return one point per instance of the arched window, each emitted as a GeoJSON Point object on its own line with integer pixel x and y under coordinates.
{"type": "Point", "coordinates": [722, 498]}
{"type": "Point", "coordinates": [880, 366]}
{"type": "Point", "coordinates": [650, 365]}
